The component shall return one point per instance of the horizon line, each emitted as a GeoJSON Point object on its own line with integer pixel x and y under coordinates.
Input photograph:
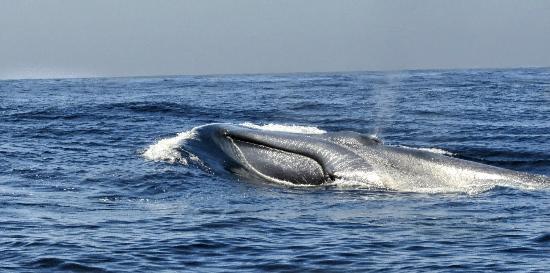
{"type": "Point", "coordinates": [77, 77]}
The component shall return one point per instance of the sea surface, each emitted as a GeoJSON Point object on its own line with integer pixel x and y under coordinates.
{"type": "Point", "coordinates": [79, 191]}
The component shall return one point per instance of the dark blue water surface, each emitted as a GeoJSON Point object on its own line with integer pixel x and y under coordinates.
{"type": "Point", "coordinates": [76, 193]}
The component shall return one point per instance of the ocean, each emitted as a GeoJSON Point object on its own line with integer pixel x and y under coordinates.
{"type": "Point", "coordinates": [92, 178]}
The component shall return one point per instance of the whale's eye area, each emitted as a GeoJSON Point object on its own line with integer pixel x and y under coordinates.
{"type": "Point", "coordinates": [271, 163]}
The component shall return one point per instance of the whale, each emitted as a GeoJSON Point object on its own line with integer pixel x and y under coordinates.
{"type": "Point", "coordinates": [322, 159]}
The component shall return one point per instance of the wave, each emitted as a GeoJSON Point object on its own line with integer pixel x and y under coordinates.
{"type": "Point", "coordinates": [150, 107]}
{"type": "Point", "coordinates": [105, 111]}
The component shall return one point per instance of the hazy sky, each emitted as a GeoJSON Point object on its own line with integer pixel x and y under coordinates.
{"type": "Point", "coordinates": [56, 38]}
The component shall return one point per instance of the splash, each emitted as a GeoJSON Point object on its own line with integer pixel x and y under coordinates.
{"type": "Point", "coordinates": [168, 149]}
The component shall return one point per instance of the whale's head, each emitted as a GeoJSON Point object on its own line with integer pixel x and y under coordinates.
{"type": "Point", "coordinates": [295, 158]}
{"type": "Point", "coordinates": [268, 155]}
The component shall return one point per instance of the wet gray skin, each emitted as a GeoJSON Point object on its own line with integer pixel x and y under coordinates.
{"type": "Point", "coordinates": [316, 159]}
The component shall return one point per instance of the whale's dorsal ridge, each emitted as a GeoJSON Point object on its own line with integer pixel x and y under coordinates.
{"type": "Point", "coordinates": [350, 138]}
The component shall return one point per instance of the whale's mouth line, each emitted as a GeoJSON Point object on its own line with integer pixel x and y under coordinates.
{"type": "Point", "coordinates": [237, 138]}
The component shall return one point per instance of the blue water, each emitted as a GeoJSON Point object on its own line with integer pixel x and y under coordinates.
{"type": "Point", "coordinates": [77, 194]}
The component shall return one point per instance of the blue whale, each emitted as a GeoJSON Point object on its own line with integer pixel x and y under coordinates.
{"type": "Point", "coordinates": [317, 159]}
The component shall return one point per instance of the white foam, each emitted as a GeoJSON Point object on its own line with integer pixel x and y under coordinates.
{"type": "Point", "coordinates": [368, 177]}
{"type": "Point", "coordinates": [167, 149]}
{"type": "Point", "coordinates": [436, 151]}
{"type": "Point", "coordinates": [444, 180]}
{"type": "Point", "coordinates": [466, 174]}
{"type": "Point", "coordinates": [285, 128]}
{"type": "Point", "coordinates": [431, 150]}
